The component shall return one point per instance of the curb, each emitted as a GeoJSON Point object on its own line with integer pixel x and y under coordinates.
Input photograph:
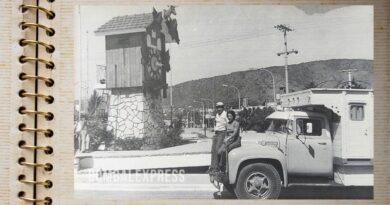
{"type": "Point", "coordinates": [145, 155]}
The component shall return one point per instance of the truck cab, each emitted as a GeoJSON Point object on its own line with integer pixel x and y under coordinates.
{"type": "Point", "coordinates": [322, 134]}
{"type": "Point", "coordinates": [307, 142]}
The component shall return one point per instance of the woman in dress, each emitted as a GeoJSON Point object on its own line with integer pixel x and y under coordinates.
{"type": "Point", "coordinates": [232, 139]}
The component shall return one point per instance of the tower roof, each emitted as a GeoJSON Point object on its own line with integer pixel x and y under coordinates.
{"type": "Point", "coordinates": [125, 24]}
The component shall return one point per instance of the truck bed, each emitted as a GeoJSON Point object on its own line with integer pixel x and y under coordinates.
{"type": "Point", "coordinates": [333, 99]}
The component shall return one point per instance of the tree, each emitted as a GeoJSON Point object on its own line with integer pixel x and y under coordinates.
{"type": "Point", "coordinates": [93, 104]}
{"type": "Point", "coordinates": [354, 84]}
{"type": "Point", "coordinates": [254, 119]}
{"type": "Point", "coordinates": [172, 137]}
{"type": "Point", "coordinates": [311, 84]}
{"type": "Point", "coordinates": [198, 117]}
{"type": "Point", "coordinates": [96, 125]}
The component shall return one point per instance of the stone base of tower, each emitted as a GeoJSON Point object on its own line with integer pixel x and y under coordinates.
{"type": "Point", "coordinates": [134, 114]}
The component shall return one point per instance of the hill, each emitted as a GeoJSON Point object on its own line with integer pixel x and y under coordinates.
{"type": "Point", "coordinates": [256, 85]}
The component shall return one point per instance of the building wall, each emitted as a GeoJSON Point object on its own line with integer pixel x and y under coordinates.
{"type": "Point", "coordinates": [123, 60]}
{"type": "Point", "coordinates": [135, 114]}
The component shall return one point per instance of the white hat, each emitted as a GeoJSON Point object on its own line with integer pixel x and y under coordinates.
{"type": "Point", "coordinates": [219, 104]}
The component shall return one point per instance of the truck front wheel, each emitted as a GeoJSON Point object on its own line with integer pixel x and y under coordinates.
{"type": "Point", "coordinates": [258, 181]}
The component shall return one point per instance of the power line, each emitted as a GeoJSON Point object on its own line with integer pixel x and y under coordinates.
{"type": "Point", "coordinates": [253, 35]}
{"type": "Point", "coordinates": [220, 41]}
{"type": "Point", "coordinates": [311, 25]}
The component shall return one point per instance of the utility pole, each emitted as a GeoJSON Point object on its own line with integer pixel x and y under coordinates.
{"type": "Point", "coordinates": [170, 93]}
{"type": "Point", "coordinates": [349, 72]}
{"type": "Point", "coordinates": [80, 67]}
{"type": "Point", "coordinates": [87, 80]}
{"type": "Point", "coordinates": [283, 28]}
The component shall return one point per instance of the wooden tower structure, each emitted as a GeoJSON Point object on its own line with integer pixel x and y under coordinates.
{"type": "Point", "coordinates": [136, 66]}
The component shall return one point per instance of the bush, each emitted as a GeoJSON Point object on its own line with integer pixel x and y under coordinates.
{"type": "Point", "coordinates": [98, 134]}
{"type": "Point", "coordinates": [96, 129]}
{"type": "Point", "coordinates": [172, 136]}
{"type": "Point", "coordinates": [128, 143]}
{"type": "Point", "coordinates": [255, 119]}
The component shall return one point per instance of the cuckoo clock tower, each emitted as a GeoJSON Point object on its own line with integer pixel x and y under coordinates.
{"type": "Point", "coordinates": [136, 66]}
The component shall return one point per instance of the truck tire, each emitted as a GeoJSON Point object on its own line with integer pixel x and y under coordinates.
{"type": "Point", "coordinates": [258, 181]}
{"type": "Point", "coordinates": [229, 188]}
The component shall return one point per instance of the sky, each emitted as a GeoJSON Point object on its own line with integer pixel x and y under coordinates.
{"type": "Point", "coordinates": [221, 39]}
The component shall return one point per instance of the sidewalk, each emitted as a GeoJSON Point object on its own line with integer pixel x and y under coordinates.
{"type": "Point", "coordinates": [203, 146]}
{"type": "Point", "coordinates": [188, 155]}
{"type": "Point", "coordinates": [190, 133]}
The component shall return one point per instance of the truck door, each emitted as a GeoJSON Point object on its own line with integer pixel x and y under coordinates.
{"type": "Point", "coordinates": [358, 130]}
{"type": "Point", "coordinates": [310, 150]}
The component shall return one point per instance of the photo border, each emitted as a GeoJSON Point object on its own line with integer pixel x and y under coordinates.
{"type": "Point", "coordinates": [63, 190]}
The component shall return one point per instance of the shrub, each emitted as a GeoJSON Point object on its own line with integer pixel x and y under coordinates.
{"type": "Point", "coordinates": [128, 143]}
{"type": "Point", "coordinates": [98, 134]}
{"type": "Point", "coordinates": [255, 119]}
{"type": "Point", "coordinates": [172, 137]}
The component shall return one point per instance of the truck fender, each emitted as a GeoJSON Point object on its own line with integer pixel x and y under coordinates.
{"type": "Point", "coordinates": [239, 158]}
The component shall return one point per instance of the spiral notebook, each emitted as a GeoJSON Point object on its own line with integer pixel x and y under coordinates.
{"type": "Point", "coordinates": [123, 102]}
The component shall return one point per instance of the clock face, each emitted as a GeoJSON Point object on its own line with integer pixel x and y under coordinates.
{"type": "Point", "coordinates": [154, 65]}
{"type": "Point", "coordinates": [154, 61]}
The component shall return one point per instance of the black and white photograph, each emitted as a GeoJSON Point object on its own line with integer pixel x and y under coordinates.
{"type": "Point", "coordinates": [223, 102]}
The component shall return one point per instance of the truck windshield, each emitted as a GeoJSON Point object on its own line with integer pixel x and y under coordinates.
{"type": "Point", "coordinates": [277, 125]}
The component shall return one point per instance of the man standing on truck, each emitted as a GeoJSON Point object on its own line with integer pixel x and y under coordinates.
{"type": "Point", "coordinates": [221, 121]}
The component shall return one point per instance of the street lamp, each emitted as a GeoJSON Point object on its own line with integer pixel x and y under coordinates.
{"type": "Point", "coordinates": [273, 80]}
{"type": "Point", "coordinates": [238, 92]}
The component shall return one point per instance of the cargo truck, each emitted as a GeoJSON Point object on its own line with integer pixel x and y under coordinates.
{"type": "Point", "coordinates": [320, 137]}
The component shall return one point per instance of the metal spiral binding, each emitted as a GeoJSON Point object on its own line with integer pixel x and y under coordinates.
{"type": "Point", "coordinates": [49, 48]}
{"type": "Point", "coordinates": [48, 98]}
{"type": "Point", "coordinates": [25, 59]}
{"type": "Point", "coordinates": [47, 183]}
{"type": "Point", "coordinates": [48, 81]}
{"type": "Point", "coordinates": [46, 149]}
{"type": "Point", "coordinates": [48, 115]}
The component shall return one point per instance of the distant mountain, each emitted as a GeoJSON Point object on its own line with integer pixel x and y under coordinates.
{"type": "Point", "coordinates": [256, 85]}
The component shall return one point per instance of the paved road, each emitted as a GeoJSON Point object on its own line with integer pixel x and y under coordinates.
{"type": "Point", "coordinates": [290, 193]}
{"type": "Point", "coordinates": [196, 186]}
